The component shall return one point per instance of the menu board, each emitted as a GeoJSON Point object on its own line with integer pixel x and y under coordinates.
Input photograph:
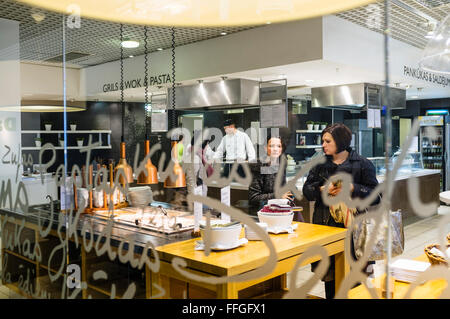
{"type": "Point", "coordinates": [274, 115]}
{"type": "Point", "coordinates": [373, 118]}
{"type": "Point", "coordinates": [198, 208]}
{"type": "Point", "coordinates": [225, 199]}
{"type": "Point", "coordinates": [160, 122]}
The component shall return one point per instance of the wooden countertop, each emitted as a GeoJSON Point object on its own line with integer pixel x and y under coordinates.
{"type": "Point", "coordinates": [431, 289]}
{"type": "Point", "coordinates": [253, 254]}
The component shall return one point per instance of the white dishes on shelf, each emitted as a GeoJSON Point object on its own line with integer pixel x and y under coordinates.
{"type": "Point", "coordinates": [97, 198]}
{"type": "Point", "coordinates": [82, 194]}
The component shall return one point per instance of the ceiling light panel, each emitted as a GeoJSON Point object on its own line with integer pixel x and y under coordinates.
{"type": "Point", "coordinates": [405, 25]}
{"type": "Point", "coordinates": [100, 39]}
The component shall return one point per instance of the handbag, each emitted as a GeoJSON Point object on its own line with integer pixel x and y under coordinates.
{"type": "Point", "coordinates": [365, 229]}
{"type": "Point", "coordinates": [342, 214]}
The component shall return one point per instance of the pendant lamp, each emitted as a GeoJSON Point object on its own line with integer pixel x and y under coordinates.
{"type": "Point", "coordinates": [180, 180]}
{"type": "Point", "coordinates": [180, 177]}
{"type": "Point", "coordinates": [210, 13]}
{"type": "Point", "coordinates": [127, 170]}
{"type": "Point", "coordinates": [150, 175]}
{"type": "Point", "coordinates": [436, 55]}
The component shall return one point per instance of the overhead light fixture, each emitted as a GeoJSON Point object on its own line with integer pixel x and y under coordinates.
{"type": "Point", "coordinates": [200, 81]}
{"type": "Point", "coordinates": [268, 22]}
{"type": "Point", "coordinates": [224, 78]}
{"type": "Point", "coordinates": [42, 108]}
{"type": "Point", "coordinates": [181, 13]}
{"type": "Point", "coordinates": [38, 16]}
{"type": "Point", "coordinates": [150, 173]}
{"type": "Point", "coordinates": [131, 56]}
{"type": "Point", "coordinates": [429, 35]}
{"type": "Point", "coordinates": [414, 96]}
{"type": "Point", "coordinates": [223, 33]}
{"type": "Point", "coordinates": [129, 44]}
{"type": "Point", "coordinates": [123, 165]}
{"type": "Point", "coordinates": [437, 112]}
{"type": "Point", "coordinates": [436, 55]}
{"type": "Point", "coordinates": [159, 49]}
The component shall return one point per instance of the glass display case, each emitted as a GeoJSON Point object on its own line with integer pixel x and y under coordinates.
{"type": "Point", "coordinates": [379, 163]}
{"type": "Point", "coordinates": [412, 163]}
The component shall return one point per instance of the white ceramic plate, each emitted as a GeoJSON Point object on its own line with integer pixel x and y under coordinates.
{"type": "Point", "coordinates": [200, 246]}
{"type": "Point", "coordinates": [280, 230]}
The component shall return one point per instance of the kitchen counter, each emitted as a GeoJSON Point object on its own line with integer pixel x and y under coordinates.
{"type": "Point", "coordinates": [299, 184]}
{"type": "Point", "coordinates": [289, 247]}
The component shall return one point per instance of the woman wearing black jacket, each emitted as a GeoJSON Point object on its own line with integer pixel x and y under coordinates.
{"type": "Point", "coordinates": [264, 174]}
{"type": "Point", "coordinates": [339, 158]}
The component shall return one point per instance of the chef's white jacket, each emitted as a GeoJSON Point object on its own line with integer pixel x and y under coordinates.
{"type": "Point", "coordinates": [238, 147]}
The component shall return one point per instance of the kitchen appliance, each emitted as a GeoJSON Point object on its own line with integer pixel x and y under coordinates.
{"type": "Point", "coordinates": [357, 96]}
{"type": "Point", "coordinates": [223, 94]}
{"type": "Point", "coordinates": [362, 136]}
{"type": "Point", "coordinates": [434, 137]}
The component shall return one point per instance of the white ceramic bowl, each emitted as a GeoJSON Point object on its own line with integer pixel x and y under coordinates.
{"type": "Point", "coordinates": [276, 219]}
{"type": "Point", "coordinates": [223, 235]}
{"type": "Point", "coordinates": [250, 233]}
{"type": "Point", "coordinates": [140, 196]}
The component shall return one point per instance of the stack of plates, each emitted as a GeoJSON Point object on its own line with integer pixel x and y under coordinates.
{"type": "Point", "coordinates": [408, 270]}
{"type": "Point", "coordinates": [140, 196]}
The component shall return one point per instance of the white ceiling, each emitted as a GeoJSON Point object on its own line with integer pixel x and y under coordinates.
{"type": "Point", "coordinates": [39, 41]}
{"type": "Point", "coordinates": [100, 39]}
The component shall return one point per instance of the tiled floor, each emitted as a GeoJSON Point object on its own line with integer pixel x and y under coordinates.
{"type": "Point", "coordinates": [417, 236]}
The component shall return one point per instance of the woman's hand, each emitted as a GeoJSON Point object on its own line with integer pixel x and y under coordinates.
{"type": "Point", "coordinates": [288, 196]}
{"type": "Point", "coordinates": [335, 190]}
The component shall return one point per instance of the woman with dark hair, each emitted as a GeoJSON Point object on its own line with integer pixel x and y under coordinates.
{"type": "Point", "coordinates": [264, 174]}
{"type": "Point", "coordinates": [339, 158]}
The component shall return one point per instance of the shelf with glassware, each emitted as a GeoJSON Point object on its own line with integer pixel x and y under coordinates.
{"type": "Point", "coordinates": [301, 140]}
{"type": "Point", "coordinates": [79, 140]}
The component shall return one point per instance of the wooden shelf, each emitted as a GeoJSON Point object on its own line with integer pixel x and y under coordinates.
{"type": "Point", "coordinates": [308, 146]}
{"type": "Point", "coordinates": [308, 131]}
{"type": "Point", "coordinates": [68, 132]}
{"type": "Point", "coordinates": [30, 148]}
{"type": "Point", "coordinates": [19, 256]}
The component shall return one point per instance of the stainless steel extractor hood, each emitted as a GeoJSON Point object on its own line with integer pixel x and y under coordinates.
{"type": "Point", "coordinates": [357, 97]}
{"type": "Point", "coordinates": [233, 93]}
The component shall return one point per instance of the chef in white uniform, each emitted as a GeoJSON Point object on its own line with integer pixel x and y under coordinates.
{"type": "Point", "coordinates": [237, 147]}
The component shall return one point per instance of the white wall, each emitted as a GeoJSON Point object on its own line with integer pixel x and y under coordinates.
{"type": "Point", "coordinates": [350, 44]}
{"type": "Point", "coordinates": [271, 45]}
{"type": "Point", "coordinates": [10, 126]}
{"type": "Point", "coordinates": [41, 82]}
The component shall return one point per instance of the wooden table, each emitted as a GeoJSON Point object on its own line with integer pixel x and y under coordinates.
{"type": "Point", "coordinates": [254, 254]}
{"type": "Point", "coordinates": [432, 289]}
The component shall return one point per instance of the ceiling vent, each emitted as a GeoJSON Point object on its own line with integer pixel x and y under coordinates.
{"type": "Point", "coordinates": [69, 57]}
